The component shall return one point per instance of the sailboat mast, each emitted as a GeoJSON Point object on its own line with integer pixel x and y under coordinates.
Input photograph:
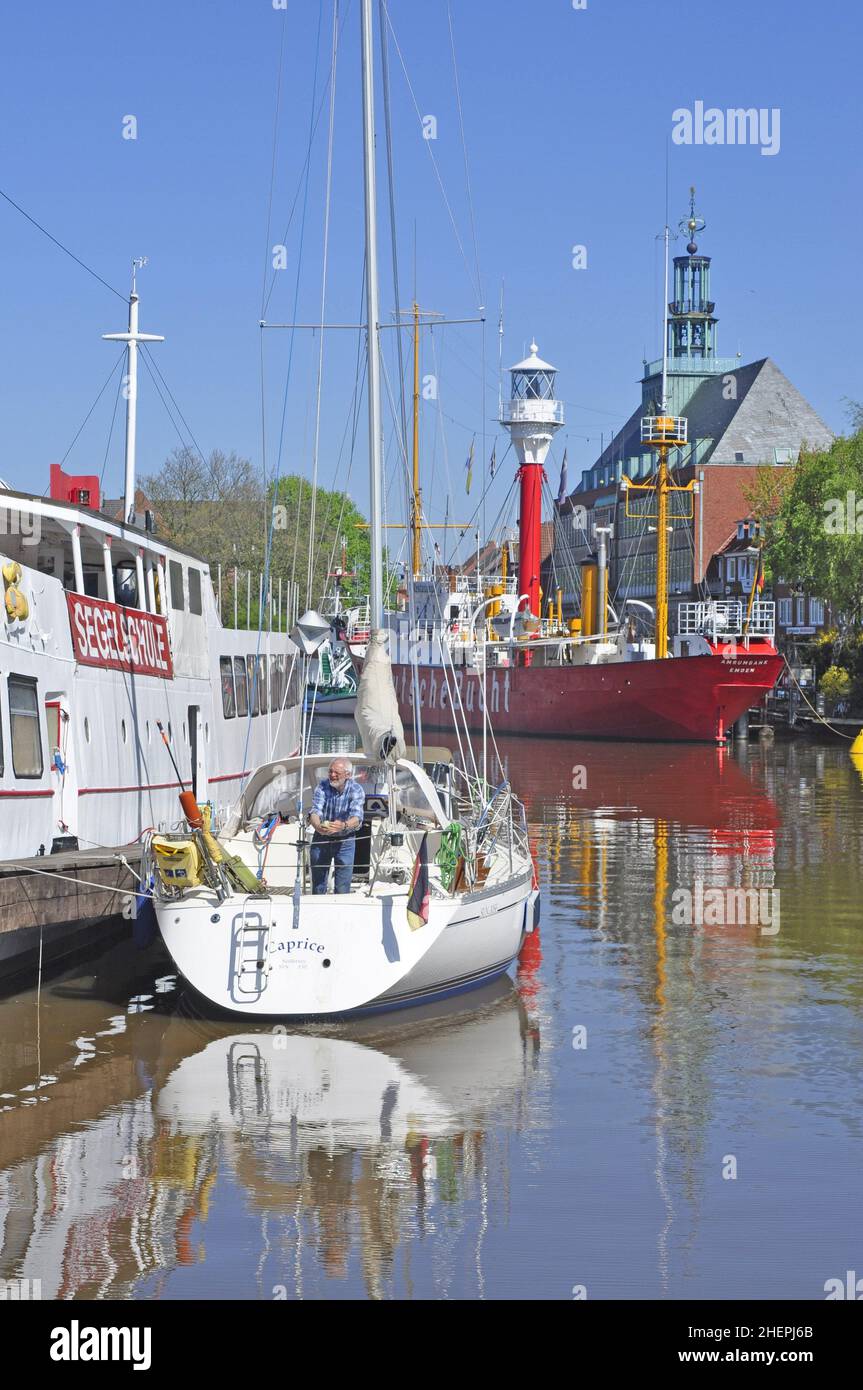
{"type": "Point", "coordinates": [374, 375]}
{"type": "Point", "coordinates": [416, 516]}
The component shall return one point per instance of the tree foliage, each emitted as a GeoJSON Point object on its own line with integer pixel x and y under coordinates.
{"type": "Point", "coordinates": [815, 536]}
{"type": "Point", "coordinates": [219, 508]}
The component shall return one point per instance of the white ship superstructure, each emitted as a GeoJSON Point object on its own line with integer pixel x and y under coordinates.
{"type": "Point", "coordinates": [108, 632]}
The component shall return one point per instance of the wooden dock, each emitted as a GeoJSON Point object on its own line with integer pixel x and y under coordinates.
{"type": "Point", "coordinates": [60, 903]}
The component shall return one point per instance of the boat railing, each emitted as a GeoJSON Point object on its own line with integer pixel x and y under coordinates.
{"type": "Point", "coordinates": [482, 586]}
{"type": "Point", "coordinates": [726, 618]}
{"type": "Point", "coordinates": [663, 429]}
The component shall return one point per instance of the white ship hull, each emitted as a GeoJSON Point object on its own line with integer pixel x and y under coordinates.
{"type": "Point", "coordinates": [95, 767]}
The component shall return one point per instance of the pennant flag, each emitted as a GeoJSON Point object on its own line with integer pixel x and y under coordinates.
{"type": "Point", "coordinates": [564, 487]}
{"type": "Point", "coordinates": [493, 462]}
{"type": "Point", "coordinates": [469, 467]}
{"type": "Point", "coordinates": [760, 572]}
{"type": "Point", "coordinates": [418, 901]}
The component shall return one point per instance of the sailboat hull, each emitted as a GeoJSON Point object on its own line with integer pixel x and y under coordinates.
{"type": "Point", "coordinates": [337, 957]}
{"type": "Point", "coordinates": [682, 699]}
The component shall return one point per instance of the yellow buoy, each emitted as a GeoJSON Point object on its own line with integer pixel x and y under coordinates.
{"type": "Point", "coordinates": [857, 746]}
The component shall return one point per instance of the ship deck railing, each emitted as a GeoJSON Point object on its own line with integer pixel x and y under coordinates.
{"type": "Point", "coordinates": [727, 618]}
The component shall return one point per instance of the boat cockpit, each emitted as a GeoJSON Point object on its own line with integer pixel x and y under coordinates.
{"type": "Point", "coordinates": [269, 824]}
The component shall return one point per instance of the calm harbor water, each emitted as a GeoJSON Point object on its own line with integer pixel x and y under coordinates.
{"type": "Point", "coordinates": [663, 1103]}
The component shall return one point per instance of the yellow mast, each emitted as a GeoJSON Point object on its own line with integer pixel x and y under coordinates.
{"type": "Point", "coordinates": [662, 432]}
{"type": "Point", "coordinates": [662, 553]}
{"type": "Point", "coordinates": [416, 509]}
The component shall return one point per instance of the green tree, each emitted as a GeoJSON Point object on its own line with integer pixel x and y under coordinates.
{"type": "Point", "coordinates": [815, 539]}
{"type": "Point", "coordinates": [336, 520]}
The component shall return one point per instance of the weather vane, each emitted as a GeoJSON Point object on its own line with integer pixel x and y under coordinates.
{"type": "Point", "coordinates": [692, 224]}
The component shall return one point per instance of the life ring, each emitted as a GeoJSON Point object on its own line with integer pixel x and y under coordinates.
{"type": "Point", "coordinates": [12, 572]}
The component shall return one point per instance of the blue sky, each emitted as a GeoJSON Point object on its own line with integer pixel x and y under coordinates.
{"type": "Point", "coordinates": [567, 116]}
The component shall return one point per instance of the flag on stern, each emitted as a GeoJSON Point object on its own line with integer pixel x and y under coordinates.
{"type": "Point", "coordinates": [418, 901]}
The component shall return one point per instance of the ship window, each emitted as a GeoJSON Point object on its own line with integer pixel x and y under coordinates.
{"type": "Point", "coordinates": [126, 586]}
{"type": "Point", "coordinates": [176, 570]}
{"type": "Point", "coordinates": [242, 688]}
{"type": "Point", "coordinates": [229, 704]}
{"type": "Point", "coordinates": [195, 604]}
{"type": "Point", "coordinates": [253, 685]}
{"type": "Point", "coordinates": [262, 684]}
{"type": "Point", "coordinates": [24, 724]}
{"type": "Point", "coordinates": [276, 673]}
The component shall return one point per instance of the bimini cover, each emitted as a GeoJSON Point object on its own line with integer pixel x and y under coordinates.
{"type": "Point", "coordinates": [377, 712]}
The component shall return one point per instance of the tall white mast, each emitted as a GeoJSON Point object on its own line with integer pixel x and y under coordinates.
{"type": "Point", "coordinates": [374, 385]}
{"type": "Point", "coordinates": [132, 338]}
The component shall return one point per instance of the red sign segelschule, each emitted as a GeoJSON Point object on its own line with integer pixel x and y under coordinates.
{"type": "Point", "coordinates": [126, 639]}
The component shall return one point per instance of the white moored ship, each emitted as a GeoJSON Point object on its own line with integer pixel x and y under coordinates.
{"type": "Point", "coordinates": [108, 632]}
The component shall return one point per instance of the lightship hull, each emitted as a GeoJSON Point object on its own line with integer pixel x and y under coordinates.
{"type": "Point", "coordinates": [681, 699]}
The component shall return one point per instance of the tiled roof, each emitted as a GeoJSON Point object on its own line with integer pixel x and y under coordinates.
{"type": "Point", "coordinates": [767, 412]}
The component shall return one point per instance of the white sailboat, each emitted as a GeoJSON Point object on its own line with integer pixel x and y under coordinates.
{"type": "Point", "coordinates": [443, 886]}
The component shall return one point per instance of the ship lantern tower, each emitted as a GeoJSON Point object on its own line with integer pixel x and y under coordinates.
{"type": "Point", "coordinates": [532, 416]}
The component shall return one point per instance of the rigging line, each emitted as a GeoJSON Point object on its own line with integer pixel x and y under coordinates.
{"type": "Point", "coordinates": [268, 553]}
{"type": "Point", "coordinates": [179, 434]}
{"type": "Point", "coordinates": [304, 171]}
{"type": "Point", "coordinates": [312, 124]}
{"type": "Point", "coordinates": [300, 479]}
{"type": "Point", "coordinates": [327, 205]}
{"type": "Point", "coordinates": [174, 402]}
{"type": "Point", "coordinates": [428, 145]}
{"type": "Point", "coordinates": [352, 424]}
{"type": "Point", "coordinates": [279, 71]}
{"type": "Point", "coordinates": [71, 254]}
{"type": "Point", "coordinates": [102, 390]}
{"type": "Point", "coordinates": [111, 430]}
{"type": "Point", "coordinates": [360, 368]}
{"type": "Point", "coordinates": [440, 416]}
{"type": "Point", "coordinates": [464, 152]}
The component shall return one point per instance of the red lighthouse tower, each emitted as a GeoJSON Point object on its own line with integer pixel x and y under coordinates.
{"type": "Point", "coordinates": [533, 417]}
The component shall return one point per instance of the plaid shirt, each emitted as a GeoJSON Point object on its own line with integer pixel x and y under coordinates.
{"type": "Point", "coordinates": [332, 805]}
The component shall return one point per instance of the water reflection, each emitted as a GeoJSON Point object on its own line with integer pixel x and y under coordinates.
{"type": "Point", "coordinates": [347, 1147]}
{"type": "Point", "coordinates": [148, 1151]}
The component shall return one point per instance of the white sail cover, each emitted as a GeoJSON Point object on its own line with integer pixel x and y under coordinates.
{"type": "Point", "coordinates": [377, 712]}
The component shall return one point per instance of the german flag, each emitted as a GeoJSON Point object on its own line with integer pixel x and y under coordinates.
{"type": "Point", "coordinates": [418, 901]}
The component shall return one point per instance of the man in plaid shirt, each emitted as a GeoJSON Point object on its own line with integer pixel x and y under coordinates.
{"type": "Point", "coordinates": [337, 814]}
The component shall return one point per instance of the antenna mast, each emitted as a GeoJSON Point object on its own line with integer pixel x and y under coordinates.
{"type": "Point", "coordinates": [132, 338]}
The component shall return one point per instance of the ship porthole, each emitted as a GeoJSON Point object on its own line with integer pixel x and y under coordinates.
{"type": "Point", "coordinates": [326, 964]}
